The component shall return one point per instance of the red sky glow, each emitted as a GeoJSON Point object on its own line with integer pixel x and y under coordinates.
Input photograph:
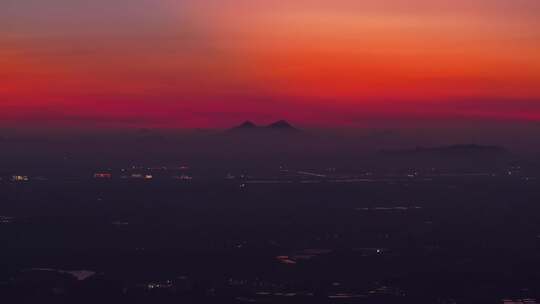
{"type": "Point", "coordinates": [210, 64]}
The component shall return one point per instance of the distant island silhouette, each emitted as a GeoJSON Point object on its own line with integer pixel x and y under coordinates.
{"type": "Point", "coordinates": [280, 125]}
{"type": "Point", "coordinates": [458, 149]}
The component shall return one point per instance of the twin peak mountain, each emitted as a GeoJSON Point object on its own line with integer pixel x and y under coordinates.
{"type": "Point", "coordinates": [280, 125]}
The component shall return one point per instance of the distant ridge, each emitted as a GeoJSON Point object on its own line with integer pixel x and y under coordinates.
{"type": "Point", "coordinates": [461, 149]}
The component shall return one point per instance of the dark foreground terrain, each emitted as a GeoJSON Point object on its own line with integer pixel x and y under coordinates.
{"type": "Point", "coordinates": [449, 239]}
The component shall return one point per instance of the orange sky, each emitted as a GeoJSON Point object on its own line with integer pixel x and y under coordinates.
{"type": "Point", "coordinates": [206, 63]}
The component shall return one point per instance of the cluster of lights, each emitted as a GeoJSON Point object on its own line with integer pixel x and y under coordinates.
{"type": "Point", "coordinates": [167, 284]}
{"type": "Point", "coordinates": [103, 175]}
{"type": "Point", "coordinates": [20, 178]}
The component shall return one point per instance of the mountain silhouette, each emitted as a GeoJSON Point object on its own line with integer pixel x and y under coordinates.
{"type": "Point", "coordinates": [453, 150]}
{"type": "Point", "coordinates": [453, 158]}
{"type": "Point", "coordinates": [280, 125]}
{"type": "Point", "coordinates": [246, 125]}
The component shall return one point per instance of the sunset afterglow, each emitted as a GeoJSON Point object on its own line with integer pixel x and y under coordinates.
{"type": "Point", "coordinates": [205, 63]}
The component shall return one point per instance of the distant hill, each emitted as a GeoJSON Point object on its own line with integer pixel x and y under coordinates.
{"type": "Point", "coordinates": [463, 157]}
{"type": "Point", "coordinates": [453, 150]}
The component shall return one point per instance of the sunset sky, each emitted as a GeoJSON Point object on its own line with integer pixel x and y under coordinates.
{"type": "Point", "coordinates": [215, 63]}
